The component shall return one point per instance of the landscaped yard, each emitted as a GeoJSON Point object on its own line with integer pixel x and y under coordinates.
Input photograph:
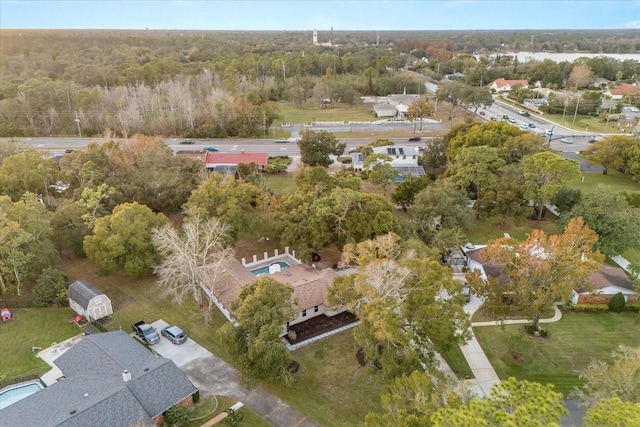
{"type": "Point", "coordinates": [614, 180]}
{"type": "Point", "coordinates": [491, 228]}
{"type": "Point", "coordinates": [32, 327]}
{"type": "Point", "coordinates": [209, 407]}
{"type": "Point", "coordinates": [312, 112]}
{"type": "Point", "coordinates": [573, 342]}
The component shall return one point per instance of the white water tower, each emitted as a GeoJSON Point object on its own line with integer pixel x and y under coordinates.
{"type": "Point", "coordinates": [315, 37]}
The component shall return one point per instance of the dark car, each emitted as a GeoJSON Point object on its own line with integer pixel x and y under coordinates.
{"type": "Point", "coordinates": [174, 334]}
{"type": "Point", "coordinates": [532, 125]}
{"type": "Point", "coordinates": [505, 117]}
{"type": "Point", "coordinates": [68, 150]}
{"type": "Point", "coordinates": [482, 113]}
{"type": "Point", "coordinates": [415, 138]}
{"type": "Point", "coordinates": [187, 142]}
{"type": "Point", "coordinates": [212, 149]}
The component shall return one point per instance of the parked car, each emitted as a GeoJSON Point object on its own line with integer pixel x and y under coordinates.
{"type": "Point", "coordinates": [174, 334]}
{"type": "Point", "coordinates": [415, 138]}
{"type": "Point", "coordinates": [187, 142]}
{"type": "Point", "coordinates": [146, 332]}
{"type": "Point", "coordinates": [208, 148]}
{"type": "Point", "coordinates": [466, 293]}
{"type": "Point", "coordinates": [282, 141]}
{"type": "Point", "coordinates": [567, 140]}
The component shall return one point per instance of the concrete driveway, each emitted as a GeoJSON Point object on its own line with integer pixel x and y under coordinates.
{"type": "Point", "coordinates": [180, 354]}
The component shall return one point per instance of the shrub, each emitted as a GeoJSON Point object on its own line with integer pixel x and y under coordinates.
{"type": "Point", "coordinates": [632, 307]}
{"type": "Point", "coordinates": [51, 288]}
{"type": "Point", "coordinates": [590, 308]}
{"type": "Point", "coordinates": [176, 415]}
{"type": "Point", "coordinates": [617, 303]}
{"type": "Point", "coordinates": [633, 198]}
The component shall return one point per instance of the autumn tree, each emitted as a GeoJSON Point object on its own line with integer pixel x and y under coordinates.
{"type": "Point", "coordinates": [541, 271]}
{"type": "Point", "coordinates": [511, 403]}
{"type": "Point", "coordinates": [477, 166]}
{"type": "Point", "coordinates": [619, 379]}
{"type": "Point", "coordinates": [193, 262]}
{"type": "Point", "coordinates": [545, 175]}
{"type": "Point", "coordinates": [419, 109]}
{"type": "Point", "coordinates": [122, 240]}
{"type": "Point", "coordinates": [610, 152]}
{"type": "Point", "coordinates": [608, 214]}
{"type": "Point", "coordinates": [260, 311]}
{"type": "Point", "coordinates": [411, 399]}
{"type": "Point", "coordinates": [316, 147]}
{"type": "Point", "coordinates": [27, 171]}
{"type": "Point", "coordinates": [452, 92]}
{"type": "Point", "coordinates": [397, 296]}
{"type": "Point", "coordinates": [492, 134]}
{"type": "Point", "coordinates": [580, 76]}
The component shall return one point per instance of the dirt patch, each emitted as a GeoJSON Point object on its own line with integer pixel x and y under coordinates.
{"type": "Point", "coordinates": [319, 325]}
{"type": "Point", "coordinates": [515, 358]}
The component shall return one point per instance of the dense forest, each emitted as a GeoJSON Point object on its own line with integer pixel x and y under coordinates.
{"type": "Point", "coordinates": [214, 83]}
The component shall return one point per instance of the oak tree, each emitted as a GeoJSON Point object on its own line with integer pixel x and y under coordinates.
{"type": "Point", "coordinates": [316, 147]}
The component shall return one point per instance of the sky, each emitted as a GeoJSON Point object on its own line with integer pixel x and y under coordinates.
{"type": "Point", "coordinates": [321, 15]}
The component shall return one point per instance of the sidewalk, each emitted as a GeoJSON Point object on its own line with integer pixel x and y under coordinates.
{"type": "Point", "coordinates": [485, 375]}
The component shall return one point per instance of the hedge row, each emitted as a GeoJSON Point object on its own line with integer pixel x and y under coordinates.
{"type": "Point", "coordinates": [600, 308]}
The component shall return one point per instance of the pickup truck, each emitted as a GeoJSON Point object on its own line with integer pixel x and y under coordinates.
{"type": "Point", "coordinates": [146, 332]}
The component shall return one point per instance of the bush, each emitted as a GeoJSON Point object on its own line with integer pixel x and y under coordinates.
{"type": "Point", "coordinates": [539, 333]}
{"type": "Point", "coordinates": [617, 303]}
{"type": "Point", "coordinates": [589, 308]}
{"type": "Point", "coordinates": [632, 307]}
{"type": "Point", "coordinates": [633, 198]}
{"type": "Point", "coordinates": [176, 415]}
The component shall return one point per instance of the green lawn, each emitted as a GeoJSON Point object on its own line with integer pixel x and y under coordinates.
{"type": "Point", "coordinates": [209, 407]}
{"type": "Point", "coordinates": [311, 112]}
{"type": "Point", "coordinates": [491, 228]}
{"type": "Point", "coordinates": [573, 342]}
{"type": "Point", "coordinates": [615, 180]}
{"type": "Point", "coordinates": [458, 363]}
{"type": "Point", "coordinates": [331, 387]}
{"type": "Point", "coordinates": [32, 327]}
{"type": "Point", "coordinates": [280, 184]}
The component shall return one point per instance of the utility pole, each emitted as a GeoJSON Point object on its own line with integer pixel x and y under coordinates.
{"type": "Point", "coordinates": [264, 124]}
{"type": "Point", "coordinates": [576, 112]}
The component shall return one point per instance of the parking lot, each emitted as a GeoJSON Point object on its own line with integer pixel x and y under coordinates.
{"type": "Point", "coordinates": [180, 354]}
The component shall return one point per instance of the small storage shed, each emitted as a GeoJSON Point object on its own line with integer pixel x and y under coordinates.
{"type": "Point", "coordinates": [88, 301]}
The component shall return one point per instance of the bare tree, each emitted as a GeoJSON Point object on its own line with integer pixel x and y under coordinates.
{"type": "Point", "coordinates": [194, 261]}
{"type": "Point", "coordinates": [580, 76]}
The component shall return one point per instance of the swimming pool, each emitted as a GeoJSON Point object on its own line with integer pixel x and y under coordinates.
{"type": "Point", "coordinates": [18, 392]}
{"type": "Point", "coordinates": [265, 270]}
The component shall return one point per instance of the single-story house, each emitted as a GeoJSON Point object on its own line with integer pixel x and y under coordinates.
{"type": "Point", "coordinates": [403, 98]}
{"type": "Point", "coordinates": [607, 282]}
{"type": "Point", "coordinates": [404, 160]}
{"type": "Point", "coordinates": [624, 89]}
{"type": "Point", "coordinates": [310, 289]}
{"type": "Point", "coordinates": [88, 301]}
{"type": "Point", "coordinates": [227, 163]}
{"type": "Point", "coordinates": [385, 110]}
{"type": "Point", "coordinates": [110, 379]}
{"type": "Point", "coordinates": [502, 85]}
{"type": "Point", "coordinates": [601, 83]}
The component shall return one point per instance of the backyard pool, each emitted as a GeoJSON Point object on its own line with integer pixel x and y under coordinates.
{"type": "Point", "coordinates": [12, 394]}
{"type": "Point", "coordinates": [265, 270]}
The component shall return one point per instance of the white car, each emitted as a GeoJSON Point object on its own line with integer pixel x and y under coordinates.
{"type": "Point", "coordinates": [524, 126]}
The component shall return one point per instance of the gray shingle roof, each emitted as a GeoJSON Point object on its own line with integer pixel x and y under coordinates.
{"type": "Point", "coordinates": [95, 390]}
{"type": "Point", "coordinates": [82, 292]}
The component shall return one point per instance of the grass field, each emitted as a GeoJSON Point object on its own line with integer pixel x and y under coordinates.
{"type": "Point", "coordinates": [573, 342]}
{"type": "Point", "coordinates": [32, 327]}
{"type": "Point", "coordinates": [312, 112]}
{"type": "Point", "coordinates": [614, 180]}
{"type": "Point", "coordinates": [491, 228]}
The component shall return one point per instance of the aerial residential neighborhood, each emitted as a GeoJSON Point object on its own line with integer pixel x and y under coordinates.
{"type": "Point", "coordinates": [285, 223]}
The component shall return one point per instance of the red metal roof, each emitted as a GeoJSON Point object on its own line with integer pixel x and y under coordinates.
{"type": "Point", "coordinates": [235, 158]}
{"type": "Point", "coordinates": [624, 89]}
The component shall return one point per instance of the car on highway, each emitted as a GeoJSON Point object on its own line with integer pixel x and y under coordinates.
{"type": "Point", "coordinates": [209, 148]}
{"type": "Point", "coordinates": [282, 141]}
{"type": "Point", "coordinates": [493, 118]}
{"type": "Point", "coordinates": [187, 142]}
{"type": "Point", "coordinates": [174, 334]}
{"type": "Point", "coordinates": [482, 113]}
{"type": "Point", "coordinates": [521, 112]}
{"type": "Point", "coordinates": [532, 125]}
{"type": "Point", "coordinates": [548, 132]}
{"type": "Point", "coordinates": [543, 133]}
{"type": "Point", "coordinates": [567, 140]}
{"type": "Point", "coordinates": [524, 126]}
{"type": "Point", "coordinates": [68, 150]}
{"type": "Point", "coordinates": [505, 117]}
{"type": "Point", "coordinates": [512, 121]}
{"type": "Point", "coordinates": [415, 138]}
{"type": "Point", "coordinates": [594, 139]}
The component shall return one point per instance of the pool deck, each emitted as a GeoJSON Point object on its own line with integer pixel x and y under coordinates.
{"type": "Point", "coordinates": [274, 260]}
{"type": "Point", "coordinates": [50, 354]}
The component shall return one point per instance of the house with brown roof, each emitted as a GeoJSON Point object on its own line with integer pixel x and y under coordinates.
{"type": "Point", "coordinates": [624, 89]}
{"type": "Point", "coordinates": [607, 282]}
{"type": "Point", "coordinates": [310, 285]}
{"type": "Point", "coordinates": [227, 163]}
{"type": "Point", "coordinates": [502, 85]}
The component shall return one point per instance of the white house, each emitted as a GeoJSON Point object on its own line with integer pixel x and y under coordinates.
{"type": "Point", "coordinates": [385, 110]}
{"type": "Point", "coordinates": [88, 301]}
{"type": "Point", "coordinates": [502, 85]}
{"type": "Point", "coordinates": [404, 160]}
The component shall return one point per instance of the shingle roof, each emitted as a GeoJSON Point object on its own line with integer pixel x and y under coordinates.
{"type": "Point", "coordinates": [310, 285]}
{"type": "Point", "coordinates": [500, 83]}
{"type": "Point", "coordinates": [82, 292]}
{"type": "Point", "coordinates": [94, 393]}
{"type": "Point", "coordinates": [624, 89]}
{"type": "Point", "coordinates": [611, 275]}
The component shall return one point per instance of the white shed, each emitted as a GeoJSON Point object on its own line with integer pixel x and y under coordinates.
{"type": "Point", "coordinates": [88, 301]}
